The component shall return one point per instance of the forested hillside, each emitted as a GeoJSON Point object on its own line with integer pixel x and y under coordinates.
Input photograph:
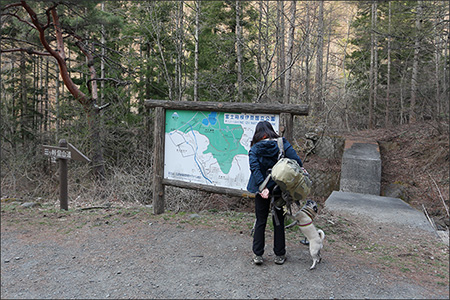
{"type": "Point", "coordinates": [81, 70]}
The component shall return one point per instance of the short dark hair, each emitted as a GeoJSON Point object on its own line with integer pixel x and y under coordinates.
{"type": "Point", "coordinates": [263, 130]}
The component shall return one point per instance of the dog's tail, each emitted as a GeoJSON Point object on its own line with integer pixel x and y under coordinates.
{"type": "Point", "coordinates": [321, 234]}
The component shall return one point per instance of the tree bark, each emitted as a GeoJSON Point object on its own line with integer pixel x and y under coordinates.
{"type": "Point", "coordinates": [375, 61]}
{"type": "Point", "coordinates": [179, 62]}
{"type": "Point", "coordinates": [371, 71]}
{"type": "Point", "coordinates": [281, 60]}
{"type": "Point", "coordinates": [307, 60]}
{"type": "Point", "coordinates": [102, 61]}
{"type": "Point", "coordinates": [437, 57]}
{"type": "Point", "coordinates": [290, 52]}
{"type": "Point", "coordinates": [415, 67]}
{"type": "Point", "coordinates": [240, 94]}
{"type": "Point", "coordinates": [24, 99]}
{"type": "Point", "coordinates": [319, 59]}
{"type": "Point", "coordinates": [46, 98]}
{"type": "Point", "coordinates": [388, 75]}
{"type": "Point", "coordinates": [197, 24]}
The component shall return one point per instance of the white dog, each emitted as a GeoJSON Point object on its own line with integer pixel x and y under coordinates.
{"type": "Point", "coordinates": [304, 218]}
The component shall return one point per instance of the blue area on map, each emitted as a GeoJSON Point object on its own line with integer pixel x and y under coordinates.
{"type": "Point", "coordinates": [212, 119]}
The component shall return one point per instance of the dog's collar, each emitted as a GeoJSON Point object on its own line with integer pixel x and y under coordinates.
{"type": "Point", "coordinates": [304, 225]}
{"type": "Point", "coordinates": [309, 212]}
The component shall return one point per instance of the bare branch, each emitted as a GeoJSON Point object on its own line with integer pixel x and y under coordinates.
{"type": "Point", "coordinates": [19, 41]}
{"type": "Point", "coordinates": [118, 82]}
{"type": "Point", "coordinates": [12, 5]}
{"type": "Point", "coordinates": [47, 12]}
{"type": "Point", "coordinates": [20, 19]}
{"type": "Point", "coordinates": [440, 194]}
{"type": "Point", "coordinates": [27, 50]}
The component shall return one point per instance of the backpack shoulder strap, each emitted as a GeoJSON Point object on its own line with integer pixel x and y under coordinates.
{"type": "Point", "coordinates": [281, 147]}
{"type": "Point", "coordinates": [280, 155]}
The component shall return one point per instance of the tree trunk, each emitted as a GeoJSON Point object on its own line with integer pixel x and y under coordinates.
{"type": "Point", "coordinates": [388, 75]}
{"type": "Point", "coordinates": [415, 67]}
{"type": "Point", "coordinates": [308, 47]}
{"type": "Point", "coordinates": [35, 98]}
{"type": "Point", "coordinates": [281, 60]}
{"type": "Point", "coordinates": [327, 62]}
{"type": "Point", "coordinates": [375, 62]}
{"type": "Point", "coordinates": [371, 71]}
{"type": "Point", "coordinates": [402, 100]}
{"type": "Point", "coordinates": [13, 106]}
{"type": "Point", "coordinates": [46, 98]}
{"type": "Point", "coordinates": [179, 62]}
{"type": "Point", "coordinates": [259, 60]}
{"type": "Point", "coordinates": [24, 100]}
{"type": "Point", "coordinates": [345, 75]}
{"type": "Point", "coordinates": [319, 59]}
{"type": "Point", "coordinates": [287, 91]}
{"type": "Point", "coordinates": [102, 62]}
{"type": "Point", "coordinates": [264, 58]}
{"type": "Point", "coordinates": [446, 75]}
{"type": "Point", "coordinates": [240, 94]}
{"type": "Point", "coordinates": [437, 58]}
{"type": "Point", "coordinates": [148, 84]}
{"type": "Point", "coordinates": [268, 62]}
{"type": "Point", "coordinates": [57, 96]}
{"type": "Point", "coordinates": [197, 16]}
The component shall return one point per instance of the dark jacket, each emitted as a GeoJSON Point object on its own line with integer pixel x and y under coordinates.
{"type": "Point", "coordinates": [262, 157]}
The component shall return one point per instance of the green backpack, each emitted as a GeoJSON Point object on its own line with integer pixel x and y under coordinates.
{"type": "Point", "coordinates": [290, 177]}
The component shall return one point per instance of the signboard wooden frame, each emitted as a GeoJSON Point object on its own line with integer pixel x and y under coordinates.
{"type": "Point", "coordinates": [286, 112]}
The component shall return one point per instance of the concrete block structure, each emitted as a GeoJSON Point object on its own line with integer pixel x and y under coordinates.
{"type": "Point", "coordinates": [361, 168]}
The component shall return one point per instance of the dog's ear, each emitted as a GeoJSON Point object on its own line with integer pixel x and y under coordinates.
{"type": "Point", "coordinates": [312, 204]}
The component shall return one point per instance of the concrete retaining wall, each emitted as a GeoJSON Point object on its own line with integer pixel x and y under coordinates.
{"type": "Point", "coordinates": [361, 168]}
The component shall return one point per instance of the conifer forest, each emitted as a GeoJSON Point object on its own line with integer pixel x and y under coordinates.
{"type": "Point", "coordinates": [82, 70]}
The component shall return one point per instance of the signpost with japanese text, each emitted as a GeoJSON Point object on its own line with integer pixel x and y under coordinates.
{"type": "Point", "coordinates": [63, 153]}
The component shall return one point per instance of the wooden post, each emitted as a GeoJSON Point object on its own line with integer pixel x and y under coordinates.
{"type": "Point", "coordinates": [65, 152]}
{"type": "Point", "coordinates": [63, 189]}
{"type": "Point", "coordinates": [286, 126]}
{"type": "Point", "coordinates": [158, 160]}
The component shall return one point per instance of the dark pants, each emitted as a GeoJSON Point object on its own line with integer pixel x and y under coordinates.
{"type": "Point", "coordinates": [262, 207]}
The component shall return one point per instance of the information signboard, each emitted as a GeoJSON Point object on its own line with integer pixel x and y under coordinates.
{"type": "Point", "coordinates": [210, 148]}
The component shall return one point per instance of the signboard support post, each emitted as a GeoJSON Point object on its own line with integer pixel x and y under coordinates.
{"type": "Point", "coordinates": [286, 125]}
{"type": "Point", "coordinates": [63, 189]}
{"type": "Point", "coordinates": [158, 161]}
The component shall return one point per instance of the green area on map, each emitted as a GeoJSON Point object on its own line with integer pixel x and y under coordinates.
{"type": "Point", "coordinates": [224, 139]}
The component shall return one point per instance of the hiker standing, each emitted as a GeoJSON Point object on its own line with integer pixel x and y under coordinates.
{"type": "Point", "coordinates": [263, 155]}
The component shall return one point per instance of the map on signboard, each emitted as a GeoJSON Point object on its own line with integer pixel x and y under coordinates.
{"type": "Point", "coordinates": [210, 148]}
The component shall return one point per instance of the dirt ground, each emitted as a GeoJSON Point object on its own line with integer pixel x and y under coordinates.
{"type": "Point", "coordinates": [123, 250]}
{"type": "Point", "coordinates": [127, 252]}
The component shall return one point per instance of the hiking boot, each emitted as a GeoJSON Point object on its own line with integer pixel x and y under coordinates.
{"type": "Point", "coordinates": [280, 259]}
{"type": "Point", "coordinates": [257, 260]}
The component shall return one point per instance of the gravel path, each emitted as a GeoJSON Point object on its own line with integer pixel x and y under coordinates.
{"type": "Point", "coordinates": [70, 256]}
